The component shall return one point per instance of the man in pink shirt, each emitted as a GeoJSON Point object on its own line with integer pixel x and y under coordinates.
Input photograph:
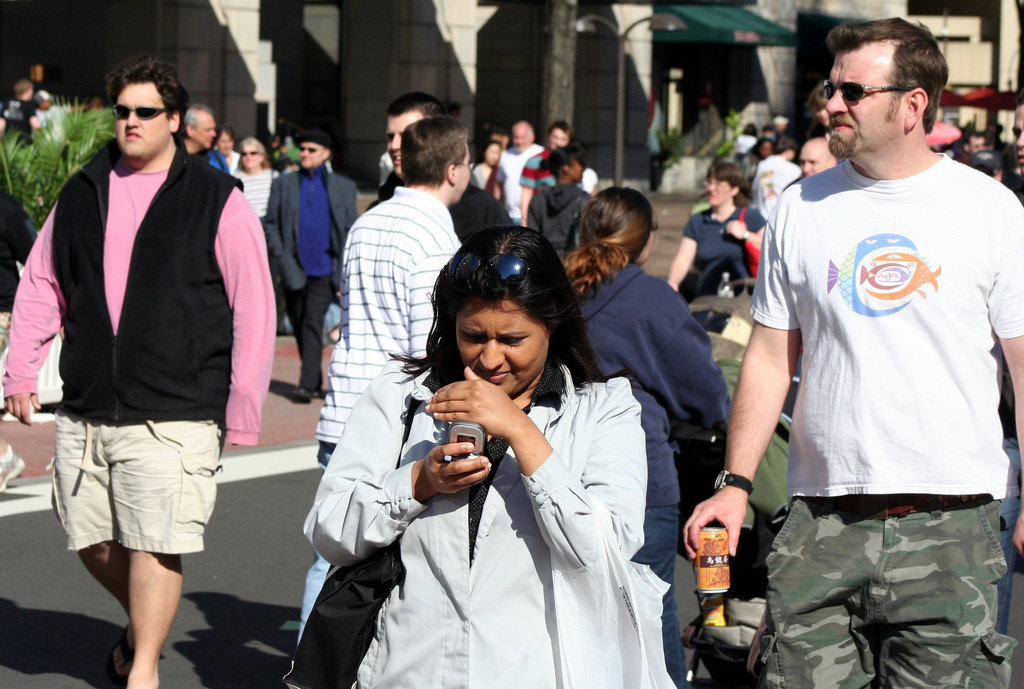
{"type": "Point", "coordinates": [155, 269]}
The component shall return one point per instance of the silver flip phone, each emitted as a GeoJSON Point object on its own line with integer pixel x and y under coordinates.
{"type": "Point", "coordinates": [467, 432]}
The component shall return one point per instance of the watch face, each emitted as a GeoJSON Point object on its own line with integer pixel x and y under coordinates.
{"type": "Point", "coordinates": [720, 482]}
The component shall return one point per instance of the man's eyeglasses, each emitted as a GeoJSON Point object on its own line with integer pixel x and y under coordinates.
{"type": "Point", "coordinates": [308, 149]}
{"type": "Point", "coordinates": [143, 112]}
{"type": "Point", "coordinates": [510, 269]}
{"type": "Point", "coordinates": [852, 92]}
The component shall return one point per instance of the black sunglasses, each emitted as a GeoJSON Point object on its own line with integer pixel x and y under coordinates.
{"type": "Point", "coordinates": [143, 112]}
{"type": "Point", "coordinates": [510, 269]}
{"type": "Point", "coordinates": [852, 92]}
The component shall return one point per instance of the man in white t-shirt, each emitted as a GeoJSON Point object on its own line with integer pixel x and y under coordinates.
{"type": "Point", "coordinates": [896, 272]}
{"type": "Point", "coordinates": [510, 167]}
{"type": "Point", "coordinates": [773, 175]}
{"type": "Point", "coordinates": [535, 173]}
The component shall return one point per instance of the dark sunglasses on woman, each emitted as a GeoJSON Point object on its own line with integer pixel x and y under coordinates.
{"type": "Point", "coordinates": [509, 269]}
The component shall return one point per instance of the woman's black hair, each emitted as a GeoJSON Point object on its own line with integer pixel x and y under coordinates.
{"type": "Point", "coordinates": [544, 293]}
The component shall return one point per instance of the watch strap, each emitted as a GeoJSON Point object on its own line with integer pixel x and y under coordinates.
{"type": "Point", "coordinates": [735, 480]}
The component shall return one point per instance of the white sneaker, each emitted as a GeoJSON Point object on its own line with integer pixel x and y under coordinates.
{"type": "Point", "coordinates": [11, 467]}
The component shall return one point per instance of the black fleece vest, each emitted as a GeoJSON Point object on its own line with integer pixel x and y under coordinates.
{"type": "Point", "coordinates": [171, 357]}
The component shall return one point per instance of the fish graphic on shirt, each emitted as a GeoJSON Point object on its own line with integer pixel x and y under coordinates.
{"type": "Point", "coordinates": [897, 275]}
{"type": "Point", "coordinates": [888, 269]}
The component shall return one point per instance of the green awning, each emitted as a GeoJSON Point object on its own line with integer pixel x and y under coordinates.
{"type": "Point", "coordinates": [723, 24]}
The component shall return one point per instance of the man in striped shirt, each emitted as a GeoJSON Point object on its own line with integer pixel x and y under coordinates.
{"type": "Point", "coordinates": [392, 257]}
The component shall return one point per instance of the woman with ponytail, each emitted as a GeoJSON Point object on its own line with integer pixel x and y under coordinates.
{"type": "Point", "coordinates": [637, 323]}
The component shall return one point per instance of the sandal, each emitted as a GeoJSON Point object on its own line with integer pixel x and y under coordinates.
{"type": "Point", "coordinates": [127, 656]}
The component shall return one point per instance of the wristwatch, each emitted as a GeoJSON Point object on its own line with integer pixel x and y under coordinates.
{"type": "Point", "coordinates": [746, 235]}
{"type": "Point", "coordinates": [726, 479]}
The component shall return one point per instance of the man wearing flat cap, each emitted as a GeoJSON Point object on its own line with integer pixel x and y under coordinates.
{"type": "Point", "coordinates": [307, 220]}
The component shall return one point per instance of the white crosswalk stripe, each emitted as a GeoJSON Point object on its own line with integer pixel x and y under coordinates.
{"type": "Point", "coordinates": [236, 466]}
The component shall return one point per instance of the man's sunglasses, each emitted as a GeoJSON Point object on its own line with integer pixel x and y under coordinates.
{"type": "Point", "coordinates": [510, 269]}
{"type": "Point", "coordinates": [143, 112]}
{"type": "Point", "coordinates": [852, 92]}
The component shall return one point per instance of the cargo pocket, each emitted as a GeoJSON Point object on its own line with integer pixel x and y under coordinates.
{"type": "Point", "coordinates": [988, 518]}
{"type": "Point", "coordinates": [56, 502]}
{"type": "Point", "coordinates": [770, 663]}
{"type": "Point", "coordinates": [198, 489]}
{"type": "Point", "coordinates": [991, 669]}
{"type": "Point", "coordinates": [798, 510]}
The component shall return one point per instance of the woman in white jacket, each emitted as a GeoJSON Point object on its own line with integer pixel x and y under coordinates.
{"type": "Point", "coordinates": [479, 537]}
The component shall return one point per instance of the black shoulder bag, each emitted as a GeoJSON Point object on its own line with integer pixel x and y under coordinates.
{"type": "Point", "coordinates": [342, 622]}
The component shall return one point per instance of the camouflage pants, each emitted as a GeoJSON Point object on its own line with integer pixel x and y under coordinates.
{"type": "Point", "coordinates": [896, 603]}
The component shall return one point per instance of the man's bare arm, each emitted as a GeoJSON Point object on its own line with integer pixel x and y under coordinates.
{"type": "Point", "coordinates": [768, 367]}
{"type": "Point", "coordinates": [1013, 350]}
{"type": "Point", "coordinates": [524, 202]}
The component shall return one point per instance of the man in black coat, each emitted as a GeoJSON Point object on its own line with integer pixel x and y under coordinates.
{"type": "Point", "coordinates": [307, 220]}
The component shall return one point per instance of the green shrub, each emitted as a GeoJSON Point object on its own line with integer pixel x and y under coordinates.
{"type": "Point", "coordinates": [34, 173]}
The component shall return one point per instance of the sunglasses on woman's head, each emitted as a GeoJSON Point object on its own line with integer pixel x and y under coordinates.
{"type": "Point", "coordinates": [509, 269]}
{"type": "Point", "coordinates": [143, 112]}
{"type": "Point", "coordinates": [852, 92]}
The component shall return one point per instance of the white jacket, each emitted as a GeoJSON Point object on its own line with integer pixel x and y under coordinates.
{"type": "Point", "coordinates": [451, 626]}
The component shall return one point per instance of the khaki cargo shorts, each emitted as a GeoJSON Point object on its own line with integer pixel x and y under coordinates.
{"type": "Point", "coordinates": [148, 485]}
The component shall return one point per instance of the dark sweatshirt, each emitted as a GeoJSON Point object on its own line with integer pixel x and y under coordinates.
{"type": "Point", "coordinates": [637, 322]}
{"type": "Point", "coordinates": [555, 213]}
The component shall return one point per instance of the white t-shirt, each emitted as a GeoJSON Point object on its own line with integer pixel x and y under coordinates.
{"type": "Point", "coordinates": [510, 169]}
{"type": "Point", "coordinates": [742, 146]}
{"type": "Point", "coordinates": [899, 289]}
{"type": "Point", "coordinates": [771, 178]}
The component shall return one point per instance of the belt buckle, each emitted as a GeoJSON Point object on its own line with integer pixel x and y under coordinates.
{"type": "Point", "coordinates": [874, 506]}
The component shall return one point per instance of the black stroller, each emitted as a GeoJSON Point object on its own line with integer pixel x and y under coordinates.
{"type": "Point", "coordinates": [728, 653]}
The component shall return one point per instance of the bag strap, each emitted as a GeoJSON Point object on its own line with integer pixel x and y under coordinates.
{"type": "Point", "coordinates": [743, 213]}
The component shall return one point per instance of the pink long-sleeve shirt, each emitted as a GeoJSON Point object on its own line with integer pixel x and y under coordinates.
{"type": "Point", "coordinates": [241, 253]}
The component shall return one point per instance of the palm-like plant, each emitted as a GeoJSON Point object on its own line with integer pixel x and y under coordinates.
{"type": "Point", "coordinates": [35, 173]}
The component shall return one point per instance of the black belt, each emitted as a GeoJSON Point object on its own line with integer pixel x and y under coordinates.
{"type": "Point", "coordinates": [872, 506]}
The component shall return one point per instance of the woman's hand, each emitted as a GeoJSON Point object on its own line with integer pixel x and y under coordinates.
{"type": "Point", "coordinates": [740, 231]}
{"type": "Point", "coordinates": [475, 399]}
{"type": "Point", "coordinates": [737, 229]}
{"type": "Point", "coordinates": [432, 475]}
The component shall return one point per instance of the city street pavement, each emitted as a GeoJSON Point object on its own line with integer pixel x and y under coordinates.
{"type": "Point", "coordinates": [235, 627]}
{"type": "Point", "coordinates": [237, 622]}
